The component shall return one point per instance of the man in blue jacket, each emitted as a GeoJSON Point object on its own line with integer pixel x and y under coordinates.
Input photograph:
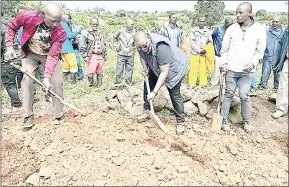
{"type": "Point", "coordinates": [217, 36]}
{"type": "Point", "coordinates": [273, 47]}
{"type": "Point", "coordinates": [69, 65]}
{"type": "Point", "coordinates": [282, 67]}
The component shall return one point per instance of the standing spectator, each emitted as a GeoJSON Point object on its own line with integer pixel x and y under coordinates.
{"type": "Point", "coordinates": [94, 51]}
{"type": "Point", "coordinates": [273, 47]}
{"type": "Point", "coordinates": [125, 48]}
{"type": "Point", "coordinates": [282, 66]}
{"type": "Point", "coordinates": [202, 55]}
{"type": "Point", "coordinates": [243, 46]}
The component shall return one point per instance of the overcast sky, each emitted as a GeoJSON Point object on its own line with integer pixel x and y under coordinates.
{"type": "Point", "coordinates": [161, 6]}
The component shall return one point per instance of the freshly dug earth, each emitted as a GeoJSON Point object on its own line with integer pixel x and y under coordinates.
{"type": "Point", "coordinates": [111, 149]}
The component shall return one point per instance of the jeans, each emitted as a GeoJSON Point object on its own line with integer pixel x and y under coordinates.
{"type": "Point", "coordinates": [175, 95]}
{"type": "Point", "coordinates": [244, 79]}
{"type": "Point", "coordinates": [80, 73]}
{"type": "Point", "coordinates": [8, 77]}
{"type": "Point", "coordinates": [266, 71]}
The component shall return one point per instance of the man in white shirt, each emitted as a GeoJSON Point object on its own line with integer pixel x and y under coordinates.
{"type": "Point", "coordinates": [243, 45]}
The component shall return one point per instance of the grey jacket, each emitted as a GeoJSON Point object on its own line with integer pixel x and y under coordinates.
{"type": "Point", "coordinates": [167, 31]}
{"type": "Point", "coordinates": [87, 42]}
{"type": "Point", "coordinates": [124, 42]}
{"type": "Point", "coordinates": [178, 66]}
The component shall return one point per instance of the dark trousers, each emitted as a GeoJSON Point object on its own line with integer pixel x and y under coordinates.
{"type": "Point", "coordinates": [8, 77]}
{"type": "Point", "coordinates": [175, 95]}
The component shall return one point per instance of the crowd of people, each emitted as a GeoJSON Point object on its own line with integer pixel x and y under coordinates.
{"type": "Point", "coordinates": [52, 45]}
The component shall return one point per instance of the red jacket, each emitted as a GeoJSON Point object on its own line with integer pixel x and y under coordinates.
{"type": "Point", "coordinates": [30, 20]}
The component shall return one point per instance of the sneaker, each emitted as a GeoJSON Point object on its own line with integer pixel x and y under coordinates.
{"type": "Point", "coordinates": [248, 127]}
{"type": "Point", "coordinates": [58, 121]}
{"type": "Point", "coordinates": [278, 114]}
{"type": "Point", "coordinates": [28, 122]}
{"type": "Point", "coordinates": [144, 117]}
{"type": "Point", "coordinates": [180, 129]}
{"type": "Point", "coordinates": [225, 125]}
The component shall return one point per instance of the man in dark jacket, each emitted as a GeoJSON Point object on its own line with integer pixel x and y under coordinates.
{"type": "Point", "coordinates": [8, 72]}
{"type": "Point", "coordinates": [164, 63]}
{"type": "Point", "coordinates": [282, 66]}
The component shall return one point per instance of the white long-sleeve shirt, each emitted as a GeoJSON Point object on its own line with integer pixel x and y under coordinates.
{"type": "Point", "coordinates": [242, 47]}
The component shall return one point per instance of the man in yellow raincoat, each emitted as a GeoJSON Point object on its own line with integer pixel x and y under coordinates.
{"type": "Point", "coordinates": [202, 54]}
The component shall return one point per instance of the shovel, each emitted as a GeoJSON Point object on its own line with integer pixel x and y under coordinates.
{"type": "Point", "coordinates": [152, 114]}
{"type": "Point", "coordinates": [217, 118]}
{"type": "Point", "coordinates": [50, 91]}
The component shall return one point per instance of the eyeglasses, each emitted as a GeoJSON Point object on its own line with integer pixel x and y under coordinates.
{"type": "Point", "coordinates": [143, 46]}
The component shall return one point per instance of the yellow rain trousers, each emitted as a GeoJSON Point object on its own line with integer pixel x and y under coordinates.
{"type": "Point", "coordinates": [203, 65]}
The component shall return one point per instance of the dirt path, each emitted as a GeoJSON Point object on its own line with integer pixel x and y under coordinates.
{"type": "Point", "coordinates": [110, 149]}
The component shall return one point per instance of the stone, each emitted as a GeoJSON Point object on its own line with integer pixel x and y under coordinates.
{"type": "Point", "coordinates": [235, 102]}
{"type": "Point", "coordinates": [111, 95]}
{"type": "Point", "coordinates": [238, 179]}
{"type": "Point", "coordinates": [213, 94]}
{"type": "Point", "coordinates": [33, 179]}
{"type": "Point", "coordinates": [128, 105]}
{"type": "Point", "coordinates": [45, 172]}
{"type": "Point", "coordinates": [118, 87]}
{"type": "Point", "coordinates": [216, 167]}
{"type": "Point", "coordinates": [183, 169]}
{"type": "Point", "coordinates": [199, 94]}
{"type": "Point", "coordinates": [114, 104]}
{"type": "Point", "coordinates": [222, 168]}
{"type": "Point", "coordinates": [118, 161]}
{"type": "Point", "coordinates": [186, 95]}
{"type": "Point", "coordinates": [235, 115]}
{"type": "Point", "coordinates": [123, 97]}
{"type": "Point", "coordinates": [134, 92]}
{"type": "Point", "coordinates": [159, 102]}
{"type": "Point", "coordinates": [136, 110]}
{"type": "Point", "coordinates": [214, 103]}
{"type": "Point", "coordinates": [208, 105]}
{"type": "Point", "coordinates": [202, 108]}
{"type": "Point", "coordinates": [190, 108]}
{"type": "Point", "coordinates": [222, 178]}
{"type": "Point", "coordinates": [272, 97]}
{"type": "Point", "coordinates": [115, 154]}
{"type": "Point", "coordinates": [232, 149]}
{"type": "Point", "coordinates": [210, 113]}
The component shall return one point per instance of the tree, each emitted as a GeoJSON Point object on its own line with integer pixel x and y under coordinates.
{"type": "Point", "coordinates": [261, 12]}
{"type": "Point", "coordinates": [9, 8]}
{"type": "Point", "coordinates": [121, 13]}
{"type": "Point", "coordinates": [212, 10]}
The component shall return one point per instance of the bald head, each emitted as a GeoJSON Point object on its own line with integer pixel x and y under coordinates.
{"type": "Point", "coordinates": [53, 9]}
{"type": "Point", "coordinates": [141, 40]}
{"type": "Point", "coordinates": [243, 12]}
{"type": "Point", "coordinates": [246, 6]}
{"type": "Point", "coordinates": [228, 22]}
{"type": "Point", "coordinates": [52, 14]}
{"type": "Point", "coordinates": [276, 22]}
{"type": "Point", "coordinates": [129, 24]}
